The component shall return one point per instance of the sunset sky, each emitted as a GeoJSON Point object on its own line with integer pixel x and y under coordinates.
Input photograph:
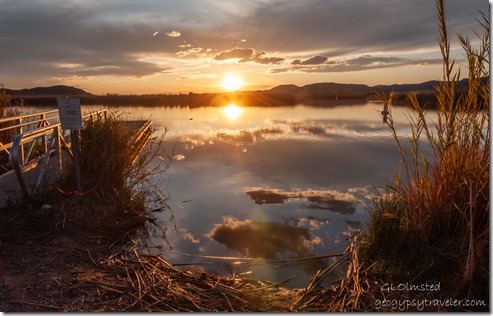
{"type": "Point", "coordinates": [156, 46]}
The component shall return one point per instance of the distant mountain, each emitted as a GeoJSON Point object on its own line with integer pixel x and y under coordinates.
{"type": "Point", "coordinates": [315, 90]}
{"type": "Point", "coordinates": [336, 87]}
{"type": "Point", "coordinates": [59, 90]}
{"type": "Point", "coordinates": [331, 87]}
{"type": "Point", "coordinates": [424, 86]}
{"type": "Point", "coordinates": [286, 88]}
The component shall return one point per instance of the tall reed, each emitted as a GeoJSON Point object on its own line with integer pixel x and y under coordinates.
{"type": "Point", "coordinates": [118, 192]}
{"type": "Point", "coordinates": [7, 110]}
{"type": "Point", "coordinates": [435, 222]}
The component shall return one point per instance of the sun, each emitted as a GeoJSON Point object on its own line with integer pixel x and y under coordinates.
{"type": "Point", "coordinates": [232, 82]}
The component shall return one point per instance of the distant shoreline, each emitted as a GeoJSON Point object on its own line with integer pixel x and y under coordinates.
{"type": "Point", "coordinates": [317, 94]}
{"type": "Point", "coordinates": [193, 100]}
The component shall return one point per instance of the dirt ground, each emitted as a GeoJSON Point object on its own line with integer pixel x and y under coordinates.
{"type": "Point", "coordinates": [38, 270]}
{"type": "Point", "coordinates": [60, 271]}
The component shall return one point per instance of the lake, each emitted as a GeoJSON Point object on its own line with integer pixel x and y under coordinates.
{"type": "Point", "coordinates": [275, 183]}
{"type": "Point", "coordinates": [252, 189]}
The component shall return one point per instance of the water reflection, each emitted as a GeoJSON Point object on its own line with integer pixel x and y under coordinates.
{"type": "Point", "coordinates": [245, 137]}
{"type": "Point", "coordinates": [263, 240]}
{"type": "Point", "coordinates": [272, 182]}
{"type": "Point", "coordinates": [312, 129]}
{"type": "Point", "coordinates": [325, 200]}
{"type": "Point", "coordinates": [311, 221]}
{"type": "Point", "coordinates": [232, 111]}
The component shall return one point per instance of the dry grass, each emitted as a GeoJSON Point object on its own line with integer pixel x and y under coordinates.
{"type": "Point", "coordinates": [6, 110]}
{"type": "Point", "coordinates": [119, 201]}
{"type": "Point", "coordinates": [133, 283]}
{"type": "Point", "coordinates": [434, 224]}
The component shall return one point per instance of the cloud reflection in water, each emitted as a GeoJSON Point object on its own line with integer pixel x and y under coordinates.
{"type": "Point", "coordinates": [262, 239]}
{"type": "Point", "coordinates": [325, 200]}
{"type": "Point", "coordinates": [245, 137]}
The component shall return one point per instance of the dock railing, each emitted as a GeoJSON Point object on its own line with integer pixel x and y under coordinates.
{"type": "Point", "coordinates": [46, 140]}
{"type": "Point", "coordinates": [11, 126]}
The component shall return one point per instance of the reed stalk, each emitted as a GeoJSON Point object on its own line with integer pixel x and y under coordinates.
{"type": "Point", "coordinates": [119, 195]}
{"type": "Point", "coordinates": [433, 224]}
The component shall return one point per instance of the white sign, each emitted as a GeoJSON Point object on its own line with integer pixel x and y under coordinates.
{"type": "Point", "coordinates": [69, 112]}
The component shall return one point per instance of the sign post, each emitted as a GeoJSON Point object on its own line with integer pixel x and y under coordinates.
{"type": "Point", "coordinates": [71, 118]}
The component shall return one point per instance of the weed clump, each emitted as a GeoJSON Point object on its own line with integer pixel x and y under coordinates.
{"type": "Point", "coordinates": [117, 190]}
{"type": "Point", "coordinates": [6, 136]}
{"type": "Point", "coordinates": [433, 226]}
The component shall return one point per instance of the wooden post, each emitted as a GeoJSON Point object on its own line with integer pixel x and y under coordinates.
{"type": "Point", "coordinates": [19, 131]}
{"type": "Point", "coordinates": [58, 148]}
{"type": "Point", "coordinates": [74, 135]}
{"type": "Point", "coordinates": [44, 141]}
{"type": "Point", "coordinates": [71, 118]}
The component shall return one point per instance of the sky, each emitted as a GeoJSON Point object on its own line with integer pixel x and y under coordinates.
{"type": "Point", "coordinates": [182, 46]}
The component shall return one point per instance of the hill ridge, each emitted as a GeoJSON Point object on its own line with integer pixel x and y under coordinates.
{"type": "Point", "coordinates": [312, 88]}
{"type": "Point", "coordinates": [333, 87]}
{"type": "Point", "coordinates": [49, 91]}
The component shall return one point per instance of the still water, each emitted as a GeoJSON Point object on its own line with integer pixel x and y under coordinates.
{"type": "Point", "coordinates": [274, 183]}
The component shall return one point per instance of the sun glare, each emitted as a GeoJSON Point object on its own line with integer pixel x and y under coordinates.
{"type": "Point", "coordinates": [232, 111]}
{"type": "Point", "coordinates": [232, 82]}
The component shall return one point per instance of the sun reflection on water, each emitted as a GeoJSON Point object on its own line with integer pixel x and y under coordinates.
{"type": "Point", "coordinates": [232, 111]}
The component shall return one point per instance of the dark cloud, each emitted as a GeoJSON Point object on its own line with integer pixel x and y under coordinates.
{"type": "Point", "coordinates": [126, 67]}
{"type": "Point", "coordinates": [248, 55]}
{"type": "Point", "coordinates": [315, 60]}
{"type": "Point", "coordinates": [106, 37]}
{"type": "Point", "coordinates": [40, 39]}
{"type": "Point", "coordinates": [366, 26]}
{"type": "Point", "coordinates": [244, 54]}
{"type": "Point", "coordinates": [260, 59]}
{"type": "Point", "coordinates": [263, 240]}
{"type": "Point", "coordinates": [360, 63]}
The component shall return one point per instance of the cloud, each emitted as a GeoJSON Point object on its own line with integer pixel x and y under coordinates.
{"type": "Point", "coordinates": [241, 53]}
{"type": "Point", "coordinates": [359, 63]}
{"type": "Point", "coordinates": [262, 239]}
{"type": "Point", "coordinates": [343, 203]}
{"type": "Point", "coordinates": [260, 59]}
{"type": "Point", "coordinates": [173, 34]}
{"type": "Point", "coordinates": [197, 75]}
{"type": "Point", "coordinates": [315, 60]}
{"type": "Point", "coordinates": [116, 67]}
{"type": "Point", "coordinates": [377, 25]}
{"type": "Point", "coordinates": [39, 37]}
{"type": "Point", "coordinates": [247, 55]}
{"type": "Point", "coordinates": [191, 51]}
{"type": "Point", "coordinates": [36, 35]}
